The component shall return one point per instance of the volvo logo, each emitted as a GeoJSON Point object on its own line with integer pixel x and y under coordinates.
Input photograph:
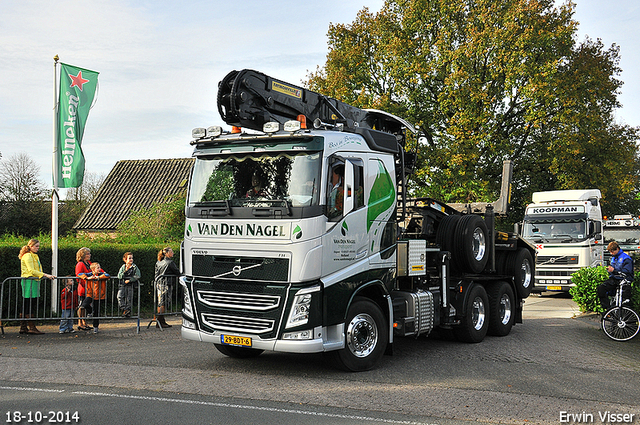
{"type": "Point", "coordinates": [236, 270]}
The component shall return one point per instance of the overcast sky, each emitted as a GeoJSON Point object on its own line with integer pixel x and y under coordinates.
{"type": "Point", "coordinates": [160, 63]}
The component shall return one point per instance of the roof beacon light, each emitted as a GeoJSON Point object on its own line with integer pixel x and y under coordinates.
{"type": "Point", "coordinates": [271, 127]}
{"type": "Point", "coordinates": [303, 121]}
{"type": "Point", "coordinates": [214, 131]}
{"type": "Point", "coordinates": [236, 130]}
{"type": "Point", "coordinates": [292, 126]}
{"type": "Point", "coordinates": [198, 133]}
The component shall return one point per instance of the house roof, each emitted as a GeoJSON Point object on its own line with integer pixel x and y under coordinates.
{"type": "Point", "coordinates": [131, 185]}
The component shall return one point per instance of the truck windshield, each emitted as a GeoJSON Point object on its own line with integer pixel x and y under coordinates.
{"type": "Point", "coordinates": [548, 231]}
{"type": "Point", "coordinates": [257, 179]}
{"type": "Point", "coordinates": [622, 236]}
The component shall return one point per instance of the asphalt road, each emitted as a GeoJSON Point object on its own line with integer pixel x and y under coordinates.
{"type": "Point", "coordinates": [553, 363]}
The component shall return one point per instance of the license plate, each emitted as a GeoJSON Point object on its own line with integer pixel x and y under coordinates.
{"type": "Point", "coordinates": [554, 288]}
{"type": "Point", "coordinates": [241, 341]}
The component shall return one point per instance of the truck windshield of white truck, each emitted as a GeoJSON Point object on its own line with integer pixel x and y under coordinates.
{"type": "Point", "coordinates": [555, 231]}
{"type": "Point", "coordinates": [253, 179]}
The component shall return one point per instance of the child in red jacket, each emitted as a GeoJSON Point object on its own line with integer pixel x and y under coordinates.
{"type": "Point", "coordinates": [69, 302]}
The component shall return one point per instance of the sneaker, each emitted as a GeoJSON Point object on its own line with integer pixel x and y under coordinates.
{"type": "Point", "coordinates": [62, 332]}
{"type": "Point", "coordinates": [95, 330]}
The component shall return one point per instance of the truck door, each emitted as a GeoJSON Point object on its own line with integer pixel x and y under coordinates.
{"type": "Point", "coordinates": [346, 239]}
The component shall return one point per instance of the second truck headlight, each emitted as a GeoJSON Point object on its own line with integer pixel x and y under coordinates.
{"type": "Point", "coordinates": [300, 309]}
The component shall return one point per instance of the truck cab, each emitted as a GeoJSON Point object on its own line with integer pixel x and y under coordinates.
{"type": "Point", "coordinates": [300, 237]}
{"type": "Point", "coordinates": [566, 228]}
{"type": "Point", "coordinates": [625, 230]}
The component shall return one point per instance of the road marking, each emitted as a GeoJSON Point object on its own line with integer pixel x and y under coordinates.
{"type": "Point", "coordinates": [31, 389]}
{"type": "Point", "coordinates": [265, 409]}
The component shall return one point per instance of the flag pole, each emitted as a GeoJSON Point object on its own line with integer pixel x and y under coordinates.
{"type": "Point", "coordinates": [54, 196]}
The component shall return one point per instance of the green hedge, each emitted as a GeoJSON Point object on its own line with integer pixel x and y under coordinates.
{"type": "Point", "coordinates": [108, 254]}
{"type": "Point", "coordinates": [587, 281]}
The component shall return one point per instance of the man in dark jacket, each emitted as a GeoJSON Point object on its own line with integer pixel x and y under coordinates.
{"type": "Point", "coordinates": [620, 263]}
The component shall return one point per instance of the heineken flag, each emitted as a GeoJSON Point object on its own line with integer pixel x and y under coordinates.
{"type": "Point", "coordinates": [77, 89]}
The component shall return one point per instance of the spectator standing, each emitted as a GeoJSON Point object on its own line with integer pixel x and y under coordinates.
{"type": "Point", "coordinates": [165, 274]}
{"type": "Point", "coordinates": [31, 272]}
{"type": "Point", "coordinates": [69, 302]}
{"type": "Point", "coordinates": [96, 293]}
{"type": "Point", "coordinates": [83, 270]}
{"type": "Point", "coordinates": [129, 276]}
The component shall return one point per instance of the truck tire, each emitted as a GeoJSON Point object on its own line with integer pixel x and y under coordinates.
{"type": "Point", "coordinates": [474, 325]}
{"type": "Point", "coordinates": [366, 337]}
{"type": "Point", "coordinates": [501, 260]}
{"type": "Point", "coordinates": [471, 243]}
{"type": "Point", "coordinates": [501, 308]}
{"type": "Point", "coordinates": [446, 232]}
{"type": "Point", "coordinates": [519, 264]}
{"type": "Point", "coordinates": [238, 352]}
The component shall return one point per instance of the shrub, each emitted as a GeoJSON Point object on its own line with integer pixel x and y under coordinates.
{"type": "Point", "coordinates": [587, 281]}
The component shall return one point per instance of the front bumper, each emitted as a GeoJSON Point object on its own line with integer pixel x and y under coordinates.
{"type": "Point", "coordinates": [324, 339]}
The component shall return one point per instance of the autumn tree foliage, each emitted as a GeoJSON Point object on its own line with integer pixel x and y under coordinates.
{"type": "Point", "coordinates": [485, 81]}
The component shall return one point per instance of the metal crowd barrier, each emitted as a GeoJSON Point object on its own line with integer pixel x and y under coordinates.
{"type": "Point", "coordinates": [172, 294]}
{"type": "Point", "coordinates": [47, 307]}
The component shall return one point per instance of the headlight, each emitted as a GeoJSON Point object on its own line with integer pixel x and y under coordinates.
{"type": "Point", "coordinates": [187, 308]}
{"type": "Point", "coordinates": [299, 314]}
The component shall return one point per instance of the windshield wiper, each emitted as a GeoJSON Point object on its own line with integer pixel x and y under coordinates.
{"type": "Point", "coordinates": [272, 208]}
{"type": "Point", "coordinates": [217, 208]}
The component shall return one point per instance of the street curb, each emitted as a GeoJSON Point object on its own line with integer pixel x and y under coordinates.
{"type": "Point", "coordinates": [591, 319]}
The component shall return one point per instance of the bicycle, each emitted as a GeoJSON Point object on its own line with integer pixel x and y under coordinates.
{"type": "Point", "coordinates": [620, 323]}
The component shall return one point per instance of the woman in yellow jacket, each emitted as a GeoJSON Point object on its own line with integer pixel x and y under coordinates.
{"type": "Point", "coordinates": [31, 273]}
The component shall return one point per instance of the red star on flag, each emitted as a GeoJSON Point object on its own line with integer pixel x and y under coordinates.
{"type": "Point", "coordinates": [77, 81]}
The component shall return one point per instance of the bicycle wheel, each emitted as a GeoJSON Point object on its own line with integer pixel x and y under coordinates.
{"type": "Point", "coordinates": [620, 323]}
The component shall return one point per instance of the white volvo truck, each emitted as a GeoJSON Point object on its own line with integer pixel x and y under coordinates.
{"type": "Point", "coordinates": [566, 228]}
{"type": "Point", "coordinates": [299, 238]}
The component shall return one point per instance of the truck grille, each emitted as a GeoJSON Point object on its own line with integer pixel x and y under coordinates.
{"type": "Point", "coordinates": [557, 260]}
{"type": "Point", "coordinates": [241, 268]}
{"type": "Point", "coordinates": [241, 306]}
{"type": "Point", "coordinates": [238, 324]}
{"type": "Point", "coordinates": [552, 273]}
{"type": "Point", "coordinates": [231, 300]}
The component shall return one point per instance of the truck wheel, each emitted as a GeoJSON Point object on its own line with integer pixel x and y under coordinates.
{"type": "Point", "coordinates": [520, 265]}
{"type": "Point", "coordinates": [366, 337]}
{"type": "Point", "coordinates": [471, 245]}
{"type": "Point", "coordinates": [238, 352]}
{"type": "Point", "coordinates": [446, 232]}
{"type": "Point", "coordinates": [501, 308]}
{"type": "Point", "coordinates": [445, 236]}
{"type": "Point", "coordinates": [474, 325]}
{"type": "Point", "coordinates": [501, 258]}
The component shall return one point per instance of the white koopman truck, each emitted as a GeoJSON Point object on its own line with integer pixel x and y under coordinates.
{"type": "Point", "coordinates": [299, 237]}
{"type": "Point", "coordinates": [566, 228]}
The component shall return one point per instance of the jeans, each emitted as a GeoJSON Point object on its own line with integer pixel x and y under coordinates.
{"type": "Point", "coordinates": [66, 324]}
{"type": "Point", "coordinates": [125, 297]}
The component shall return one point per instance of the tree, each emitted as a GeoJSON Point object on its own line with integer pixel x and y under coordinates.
{"type": "Point", "coordinates": [162, 221]}
{"type": "Point", "coordinates": [87, 190]}
{"type": "Point", "coordinates": [19, 179]}
{"type": "Point", "coordinates": [486, 81]}
{"type": "Point", "coordinates": [77, 200]}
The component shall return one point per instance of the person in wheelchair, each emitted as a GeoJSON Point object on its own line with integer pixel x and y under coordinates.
{"type": "Point", "coordinates": [620, 266]}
